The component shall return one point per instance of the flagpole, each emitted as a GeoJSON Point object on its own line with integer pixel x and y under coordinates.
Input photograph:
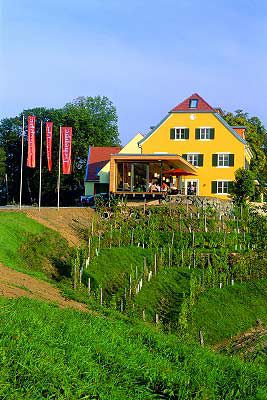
{"type": "Point", "coordinates": [21, 162]}
{"type": "Point", "coordinates": [59, 167]}
{"type": "Point", "coordinates": [40, 164]}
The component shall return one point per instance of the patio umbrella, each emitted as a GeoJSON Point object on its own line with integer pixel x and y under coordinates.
{"type": "Point", "coordinates": [178, 172]}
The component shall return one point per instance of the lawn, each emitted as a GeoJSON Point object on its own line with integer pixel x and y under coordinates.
{"type": "Point", "coordinates": [49, 353]}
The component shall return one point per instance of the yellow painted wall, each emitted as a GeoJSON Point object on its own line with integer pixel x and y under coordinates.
{"type": "Point", "coordinates": [224, 141]}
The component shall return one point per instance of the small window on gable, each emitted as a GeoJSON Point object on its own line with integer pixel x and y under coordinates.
{"type": "Point", "coordinates": [193, 103]}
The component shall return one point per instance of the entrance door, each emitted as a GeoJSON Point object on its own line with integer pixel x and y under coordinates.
{"type": "Point", "coordinates": [191, 187]}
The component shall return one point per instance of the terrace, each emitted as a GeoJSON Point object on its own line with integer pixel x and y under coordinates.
{"type": "Point", "coordinates": [149, 174]}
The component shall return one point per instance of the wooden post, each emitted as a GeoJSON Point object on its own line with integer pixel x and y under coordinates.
{"type": "Point", "coordinates": [144, 315]}
{"type": "Point", "coordinates": [89, 248]}
{"type": "Point", "coordinates": [75, 276]}
{"type": "Point", "coordinates": [101, 296]}
{"type": "Point", "coordinates": [157, 319]}
{"type": "Point", "coordinates": [201, 339]}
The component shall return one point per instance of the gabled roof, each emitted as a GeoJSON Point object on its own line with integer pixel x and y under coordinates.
{"type": "Point", "coordinates": [97, 158]}
{"type": "Point", "coordinates": [202, 105]}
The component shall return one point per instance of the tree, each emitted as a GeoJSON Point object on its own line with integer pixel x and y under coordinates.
{"type": "Point", "coordinates": [243, 186]}
{"type": "Point", "coordinates": [94, 121]}
{"type": "Point", "coordinates": [2, 163]}
{"type": "Point", "coordinates": [256, 136]}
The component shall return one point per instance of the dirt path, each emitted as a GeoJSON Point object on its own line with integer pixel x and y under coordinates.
{"type": "Point", "coordinates": [16, 284]}
{"type": "Point", "coordinates": [69, 222]}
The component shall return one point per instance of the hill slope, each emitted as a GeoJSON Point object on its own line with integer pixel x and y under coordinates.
{"type": "Point", "coordinates": [61, 354]}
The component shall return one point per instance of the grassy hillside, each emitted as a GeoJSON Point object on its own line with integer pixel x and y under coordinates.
{"type": "Point", "coordinates": [60, 354]}
{"type": "Point", "coordinates": [28, 246]}
{"type": "Point", "coordinates": [222, 313]}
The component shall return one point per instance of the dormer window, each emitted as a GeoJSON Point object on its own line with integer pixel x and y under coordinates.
{"type": "Point", "coordinates": [193, 103]}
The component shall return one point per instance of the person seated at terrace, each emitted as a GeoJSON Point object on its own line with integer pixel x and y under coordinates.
{"type": "Point", "coordinates": [164, 187]}
{"type": "Point", "coordinates": [154, 187]}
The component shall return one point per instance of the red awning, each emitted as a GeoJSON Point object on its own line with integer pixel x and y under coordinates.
{"type": "Point", "coordinates": [177, 172]}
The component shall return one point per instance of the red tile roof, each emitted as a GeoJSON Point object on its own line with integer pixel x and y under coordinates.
{"type": "Point", "coordinates": [97, 158]}
{"type": "Point", "coordinates": [201, 106]}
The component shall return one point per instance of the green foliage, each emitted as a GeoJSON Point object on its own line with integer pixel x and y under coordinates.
{"type": "Point", "coordinates": [2, 163]}
{"type": "Point", "coordinates": [27, 246]}
{"type": "Point", "coordinates": [243, 186]}
{"type": "Point", "coordinates": [222, 313]}
{"type": "Point", "coordinates": [61, 354]}
{"type": "Point", "coordinates": [94, 121]}
{"type": "Point", "coordinates": [256, 135]}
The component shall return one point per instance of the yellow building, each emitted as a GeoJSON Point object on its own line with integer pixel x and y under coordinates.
{"type": "Point", "coordinates": [195, 132]}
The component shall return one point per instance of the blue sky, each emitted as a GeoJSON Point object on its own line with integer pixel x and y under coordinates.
{"type": "Point", "coordinates": [146, 56]}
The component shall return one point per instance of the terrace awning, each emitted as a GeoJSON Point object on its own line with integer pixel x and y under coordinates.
{"type": "Point", "coordinates": [178, 172]}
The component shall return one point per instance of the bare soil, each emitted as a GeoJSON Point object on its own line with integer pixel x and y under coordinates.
{"type": "Point", "coordinates": [69, 222]}
{"type": "Point", "coordinates": [17, 284]}
{"type": "Point", "coordinates": [245, 342]}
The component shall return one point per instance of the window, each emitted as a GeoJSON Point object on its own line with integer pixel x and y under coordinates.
{"type": "Point", "coordinates": [180, 133]}
{"type": "Point", "coordinates": [223, 160]}
{"type": "Point", "coordinates": [193, 103]}
{"type": "Point", "coordinates": [204, 133]}
{"type": "Point", "coordinates": [221, 187]}
{"type": "Point", "coordinates": [194, 159]}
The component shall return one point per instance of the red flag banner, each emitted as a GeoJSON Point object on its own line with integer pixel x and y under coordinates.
{"type": "Point", "coordinates": [49, 133]}
{"type": "Point", "coordinates": [66, 149]}
{"type": "Point", "coordinates": [31, 142]}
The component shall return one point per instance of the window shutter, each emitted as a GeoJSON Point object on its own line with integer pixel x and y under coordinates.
{"type": "Point", "coordinates": [214, 160]}
{"type": "Point", "coordinates": [212, 133]}
{"type": "Point", "coordinates": [213, 186]}
{"type": "Point", "coordinates": [184, 156]}
{"type": "Point", "coordinates": [231, 160]}
{"type": "Point", "coordinates": [172, 133]}
{"type": "Point", "coordinates": [200, 160]}
{"type": "Point", "coordinates": [197, 133]}
{"type": "Point", "coordinates": [230, 187]}
{"type": "Point", "coordinates": [186, 133]}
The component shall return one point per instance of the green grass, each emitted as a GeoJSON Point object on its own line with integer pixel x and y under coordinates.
{"type": "Point", "coordinates": [164, 295]}
{"type": "Point", "coordinates": [49, 353]}
{"type": "Point", "coordinates": [27, 246]}
{"type": "Point", "coordinates": [222, 313]}
{"type": "Point", "coordinates": [112, 268]}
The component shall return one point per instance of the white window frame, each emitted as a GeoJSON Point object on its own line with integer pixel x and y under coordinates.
{"type": "Point", "coordinates": [224, 161]}
{"type": "Point", "coordinates": [177, 132]}
{"type": "Point", "coordinates": [186, 181]}
{"type": "Point", "coordinates": [205, 133]}
{"type": "Point", "coordinates": [223, 182]}
{"type": "Point", "coordinates": [188, 155]}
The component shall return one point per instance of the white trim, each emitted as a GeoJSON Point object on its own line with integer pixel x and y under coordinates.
{"type": "Point", "coordinates": [222, 193]}
{"type": "Point", "coordinates": [176, 128]}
